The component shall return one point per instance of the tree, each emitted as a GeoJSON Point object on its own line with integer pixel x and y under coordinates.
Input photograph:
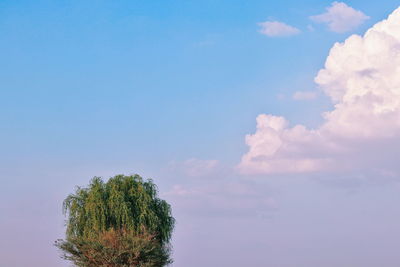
{"type": "Point", "coordinates": [118, 223]}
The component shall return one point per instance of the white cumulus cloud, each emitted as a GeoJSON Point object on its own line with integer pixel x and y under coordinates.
{"type": "Point", "coordinates": [277, 29]}
{"type": "Point", "coordinates": [341, 18]}
{"type": "Point", "coordinates": [362, 132]}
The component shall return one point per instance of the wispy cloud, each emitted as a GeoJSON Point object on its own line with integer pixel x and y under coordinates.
{"type": "Point", "coordinates": [222, 199]}
{"type": "Point", "coordinates": [195, 167]}
{"type": "Point", "coordinates": [304, 95]}
{"type": "Point", "coordinates": [361, 133]}
{"type": "Point", "coordinates": [340, 17]}
{"type": "Point", "coordinates": [277, 29]}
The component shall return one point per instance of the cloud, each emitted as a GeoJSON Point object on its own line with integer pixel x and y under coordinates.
{"type": "Point", "coordinates": [361, 133]}
{"type": "Point", "coordinates": [277, 29]}
{"type": "Point", "coordinates": [304, 95]}
{"type": "Point", "coordinates": [195, 167]}
{"type": "Point", "coordinates": [221, 199]}
{"type": "Point", "coordinates": [341, 18]}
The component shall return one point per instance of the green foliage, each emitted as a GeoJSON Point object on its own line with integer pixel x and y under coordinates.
{"type": "Point", "coordinates": [126, 206]}
{"type": "Point", "coordinates": [122, 202]}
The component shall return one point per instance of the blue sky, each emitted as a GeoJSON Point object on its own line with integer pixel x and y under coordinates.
{"type": "Point", "coordinates": [169, 90]}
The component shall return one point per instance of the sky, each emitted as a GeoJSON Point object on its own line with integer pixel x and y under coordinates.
{"type": "Point", "coordinates": [272, 128]}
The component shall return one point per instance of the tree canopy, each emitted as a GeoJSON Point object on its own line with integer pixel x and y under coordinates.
{"type": "Point", "coordinates": [126, 209]}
